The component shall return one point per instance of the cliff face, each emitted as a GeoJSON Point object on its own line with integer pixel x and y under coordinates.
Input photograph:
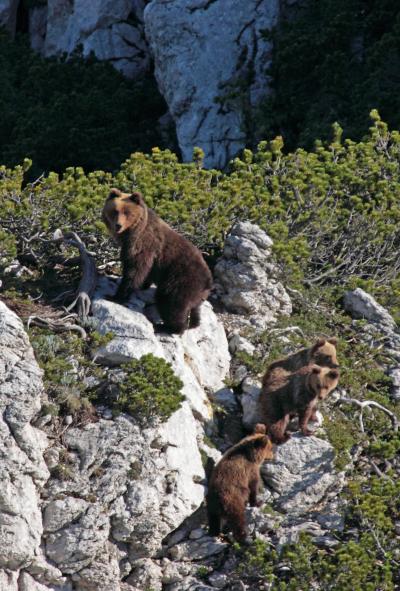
{"type": "Point", "coordinates": [210, 56]}
{"type": "Point", "coordinates": [210, 64]}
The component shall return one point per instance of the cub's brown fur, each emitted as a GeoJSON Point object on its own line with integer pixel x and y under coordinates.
{"type": "Point", "coordinates": [285, 394]}
{"type": "Point", "coordinates": [152, 252]}
{"type": "Point", "coordinates": [322, 353]}
{"type": "Point", "coordinates": [234, 482]}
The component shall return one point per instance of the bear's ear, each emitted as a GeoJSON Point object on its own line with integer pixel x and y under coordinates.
{"type": "Point", "coordinates": [333, 341]}
{"type": "Point", "coordinates": [114, 193]}
{"type": "Point", "coordinates": [317, 345]}
{"type": "Point", "coordinates": [316, 369]}
{"type": "Point", "coordinates": [260, 428]}
{"type": "Point", "coordinates": [261, 442]}
{"type": "Point", "coordinates": [137, 198]}
{"type": "Point", "coordinates": [334, 374]}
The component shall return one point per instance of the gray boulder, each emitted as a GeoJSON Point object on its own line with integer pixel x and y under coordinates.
{"type": "Point", "coordinates": [361, 304]}
{"type": "Point", "coordinates": [302, 473]}
{"type": "Point", "coordinates": [200, 358]}
{"type": "Point", "coordinates": [245, 277]}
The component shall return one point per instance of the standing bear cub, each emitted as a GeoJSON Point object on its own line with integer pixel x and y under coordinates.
{"type": "Point", "coordinates": [234, 482]}
{"type": "Point", "coordinates": [285, 394]}
{"type": "Point", "coordinates": [152, 252]}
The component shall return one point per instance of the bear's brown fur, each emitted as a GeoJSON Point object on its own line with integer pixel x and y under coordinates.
{"type": "Point", "coordinates": [234, 482]}
{"type": "Point", "coordinates": [285, 394]}
{"type": "Point", "coordinates": [322, 353]}
{"type": "Point", "coordinates": [152, 252]}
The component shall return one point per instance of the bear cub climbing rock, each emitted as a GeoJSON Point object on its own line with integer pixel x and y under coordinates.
{"type": "Point", "coordinates": [152, 252]}
{"type": "Point", "coordinates": [285, 394]}
{"type": "Point", "coordinates": [234, 482]}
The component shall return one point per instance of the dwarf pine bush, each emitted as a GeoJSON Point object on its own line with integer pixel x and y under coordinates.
{"type": "Point", "coordinates": [149, 390]}
{"type": "Point", "coordinates": [333, 212]}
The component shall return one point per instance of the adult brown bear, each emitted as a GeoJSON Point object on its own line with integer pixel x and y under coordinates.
{"type": "Point", "coordinates": [152, 252]}
{"type": "Point", "coordinates": [285, 394]}
{"type": "Point", "coordinates": [234, 481]}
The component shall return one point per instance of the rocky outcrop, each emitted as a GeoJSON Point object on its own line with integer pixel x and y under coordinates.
{"type": "Point", "coordinates": [189, 355]}
{"type": "Point", "coordinates": [122, 509]}
{"type": "Point", "coordinates": [22, 467]}
{"type": "Point", "coordinates": [211, 58]}
{"type": "Point", "coordinates": [245, 277]}
{"type": "Point", "coordinates": [379, 329]}
{"type": "Point", "coordinates": [116, 490]}
{"type": "Point", "coordinates": [361, 304]}
{"type": "Point", "coordinates": [112, 30]}
{"type": "Point", "coordinates": [303, 473]}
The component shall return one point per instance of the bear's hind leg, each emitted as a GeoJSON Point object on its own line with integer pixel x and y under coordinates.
{"type": "Point", "coordinates": [236, 520]}
{"type": "Point", "coordinates": [194, 320]}
{"type": "Point", "coordinates": [214, 522]}
{"type": "Point", "coordinates": [174, 313]}
{"type": "Point", "coordinates": [277, 431]}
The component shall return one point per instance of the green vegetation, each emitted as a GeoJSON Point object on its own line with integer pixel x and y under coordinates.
{"type": "Point", "coordinates": [65, 362]}
{"type": "Point", "coordinates": [350, 566]}
{"type": "Point", "coordinates": [147, 389]}
{"type": "Point", "coordinates": [150, 390]}
{"type": "Point", "coordinates": [66, 113]}
{"type": "Point", "coordinates": [333, 212]}
{"type": "Point", "coordinates": [333, 60]}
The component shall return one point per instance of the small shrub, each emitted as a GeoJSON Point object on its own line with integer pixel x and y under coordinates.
{"type": "Point", "coordinates": [150, 390]}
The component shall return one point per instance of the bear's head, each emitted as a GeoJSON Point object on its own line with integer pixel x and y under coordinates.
{"type": "Point", "coordinates": [323, 353]}
{"type": "Point", "coordinates": [123, 212]}
{"type": "Point", "coordinates": [322, 380]}
{"type": "Point", "coordinates": [263, 448]}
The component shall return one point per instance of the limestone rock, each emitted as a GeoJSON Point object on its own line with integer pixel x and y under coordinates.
{"type": "Point", "coordinates": [361, 304]}
{"type": "Point", "coordinates": [147, 574]}
{"type": "Point", "coordinates": [200, 358]}
{"type": "Point", "coordinates": [22, 467]}
{"type": "Point", "coordinates": [250, 403]}
{"type": "Point", "coordinates": [111, 29]}
{"type": "Point", "coordinates": [148, 483]}
{"type": "Point", "coordinates": [394, 374]}
{"type": "Point", "coordinates": [219, 45]}
{"type": "Point", "coordinates": [302, 473]}
{"type": "Point", "coordinates": [380, 330]}
{"type": "Point", "coordinates": [245, 277]}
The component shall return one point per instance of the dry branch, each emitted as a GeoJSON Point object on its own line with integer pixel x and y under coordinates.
{"type": "Point", "coordinates": [57, 324]}
{"type": "Point", "coordinates": [362, 404]}
{"type": "Point", "coordinates": [87, 284]}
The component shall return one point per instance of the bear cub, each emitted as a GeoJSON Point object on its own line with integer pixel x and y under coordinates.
{"type": "Point", "coordinates": [322, 353]}
{"type": "Point", "coordinates": [152, 252]}
{"type": "Point", "coordinates": [285, 394]}
{"type": "Point", "coordinates": [235, 480]}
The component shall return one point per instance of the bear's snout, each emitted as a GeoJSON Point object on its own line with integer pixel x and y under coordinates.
{"type": "Point", "coordinates": [118, 227]}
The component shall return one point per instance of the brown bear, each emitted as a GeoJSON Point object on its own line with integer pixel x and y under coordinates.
{"type": "Point", "coordinates": [235, 480]}
{"type": "Point", "coordinates": [285, 394]}
{"type": "Point", "coordinates": [152, 252]}
{"type": "Point", "coordinates": [322, 353]}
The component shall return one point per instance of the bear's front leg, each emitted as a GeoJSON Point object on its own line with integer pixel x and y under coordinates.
{"type": "Point", "coordinates": [304, 416]}
{"type": "Point", "coordinates": [253, 486]}
{"type": "Point", "coordinates": [134, 274]}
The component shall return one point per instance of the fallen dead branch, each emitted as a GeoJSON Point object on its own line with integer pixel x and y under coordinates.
{"type": "Point", "coordinates": [87, 284]}
{"type": "Point", "coordinates": [57, 324]}
{"type": "Point", "coordinates": [362, 404]}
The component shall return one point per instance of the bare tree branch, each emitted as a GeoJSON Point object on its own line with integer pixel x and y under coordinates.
{"type": "Point", "coordinates": [88, 282]}
{"type": "Point", "coordinates": [362, 404]}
